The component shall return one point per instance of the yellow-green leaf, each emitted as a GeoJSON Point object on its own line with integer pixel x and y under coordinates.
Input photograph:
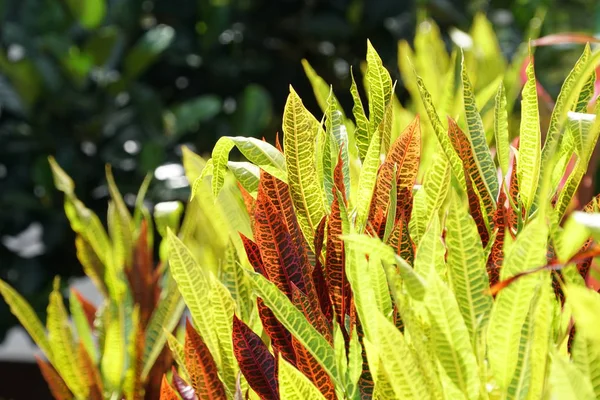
{"type": "Point", "coordinates": [481, 152]}
{"type": "Point", "coordinates": [294, 385]}
{"type": "Point", "coordinates": [467, 268]}
{"type": "Point", "coordinates": [60, 338]}
{"type": "Point", "coordinates": [27, 317]}
{"type": "Point", "coordinates": [300, 129]}
{"type": "Point", "coordinates": [528, 167]}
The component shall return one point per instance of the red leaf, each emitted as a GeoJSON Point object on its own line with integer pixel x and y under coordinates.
{"type": "Point", "coordinates": [57, 386]}
{"type": "Point", "coordinates": [249, 202]}
{"type": "Point", "coordinates": [281, 338]}
{"type": "Point", "coordinates": [253, 254]}
{"type": "Point", "coordinates": [166, 390]}
{"type": "Point", "coordinates": [201, 366]}
{"type": "Point", "coordinates": [314, 315]}
{"type": "Point", "coordinates": [335, 270]}
{"type": "Point", "coordinates": [496, 257]}
{"type": "Point", "coordinates": [255, 361]}
{"type": "Point", "coordinates": [564, 38]}
{"type": "Point", "coordinates": [476, 188]}
{"type": "Point", "coordinates": [140, 276]}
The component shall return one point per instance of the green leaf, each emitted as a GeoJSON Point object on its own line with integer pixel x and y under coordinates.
{"type": "Point", "coordinates": [363, 135]}
{"type": "Point", "coordinates": [164, 318]}
{"type": "Point", "coordinates": [112, 363]}
{"type": "Point", "coordinates": [90, 13]}
{"type": "Point", "coordinates": [294, 385]}
{"type": "Point", "coordinates": [585, 304]}
{"type": "Point", "coordinates": [321, 89]}
{"type": "Point", "coordinates": [256, 151]}
{"type": "Point", "coordinates": [512, 303]}
{"type": "Point", "coordinates": [300, 129]}
{"type": "Point", "coordinates": [411, 281]}
{"type": "Point", "coordinates": [528, 167]}
{"type": "Point", "coordinates": [367, 180]}
{"type": "Point", "coordinates": [60, 338]}
{"type": "Point", "coordinates": [295, 322]}
{"type": "Point", "coordinates": [398, 362]}
{"type": "Point", "coordinates": [247, 174]}
{"type": "Point", "coordinates": [194, 288]}
{"type": "Point", "coordinates": [467, 268]}
{"type": "Point", "coordinates": [586, 357]}
{"type": "Point", "coordinates": [501, 129]}
{"type": "Point", "coordinates": [84, 331]}
{"type": "Point", "coordinates": [380, 88]}
{"type": "Point", "coordinates": [441, 134]}
{"type": "Point", "coordinates": [222, 307]}
{"type": "Point", "coordinates": [27, 317]}
{"type": "Point", "coordinates": [451, 337]}
{"type": "Point", "coordinates": [567, 382]}
{"type": "Point", "coordinates": [483, 157]}
{"type": "Point", "coordinates": [123, 223]}
{"type": "Point", "coordinates": [147, 49]}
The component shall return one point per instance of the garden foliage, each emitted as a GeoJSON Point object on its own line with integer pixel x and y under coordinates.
{"type": "Point", "coordinates": [390, 255]}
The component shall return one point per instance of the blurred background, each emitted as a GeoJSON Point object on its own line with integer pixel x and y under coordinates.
{"type": "Point", "coordinates": [127, 82]}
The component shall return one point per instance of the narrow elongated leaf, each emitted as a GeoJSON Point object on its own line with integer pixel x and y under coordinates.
{"type": "Point", "coordinates": [451, 338]}
{"type": "Point", "coordinates": [83, 327]}
{"type": "Point", "coordinates": [27, 317]}
{"type": "Point", "coordinates": [367, 180]}
{"type": "Point", "coordinates": [528, 169]}
{"type": "Point", "coordinates": [165, 317]}
{"type": "Point", "coordinates": [403, 158]}
{"type": "Point", "coordinates": [476, 185]}
{"type": "Point", "coordinates": [481, 152]}
{"type": "Point", "coordinates": [512, 303]}
{"type": "Point", "coordinates": [281, 339]}
{"type": "Point", "coordinates": [363, 134]}
{"type": "Point", "coordinates": [315, 372]}
{"type": "Point", "coordinates": [380, 88]}
{"type": "Point", "coordinates": [58, 387]}
{"type": "Point", "coordinates": [91, 264]}
{"type": "Point", "coordinates": [300, 129]}
{"type": "Point", "coordinates": [335, 272]}
{"type": "Point", "coordinates": [123, 223]}
{"type": "Point", "coordinates": [466, 267]}
{"type": "Point", "coordinates": [501, 129]}
{"type": "Point", "coordinates": [112, 363]}
{"type": "Point", "coordinates": [194, 289]}
{"type": "Point", "coordinates": [222, 307]}
{"type": "Point", "coordinates": [256, 363]}
{"type": "Point", "coordinates": [60, 338]}
{"type": "Point", "coordinates": [294, 385]}
{"type": "Point", "coordinates": [321, 89]}
{"type": "Point", "coordinates": [398, 362]}
{"type": "Point", "coordinates": [295, 322]}
{"type": "Point", "coordinates": [441, 134]}
{"type": "Point", "coordinates": [201, 367]}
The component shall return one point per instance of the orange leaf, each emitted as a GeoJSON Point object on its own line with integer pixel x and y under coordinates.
{"type": "Point", "coordinates": [201, 366]}
{"type": "Point", "coordinates": [57, 386]}
{"type": "Point", "coordinates": [476, 190]}
{"type": "Point", "coordinates": [166, 390]}
{"type": "Point", "coordinates": [314, 371]}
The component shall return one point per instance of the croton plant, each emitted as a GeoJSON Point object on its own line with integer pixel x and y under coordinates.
{"type": "Point", "coordinates": [426, 250]}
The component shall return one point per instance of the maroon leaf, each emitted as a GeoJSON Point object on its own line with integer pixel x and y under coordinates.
{"type": "Point", "coordinates": [255, 361]}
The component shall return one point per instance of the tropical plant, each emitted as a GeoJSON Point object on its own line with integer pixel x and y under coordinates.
{"type": "Point", "coordinates": [115, 349]}
{"type": "Point", "coordinates": [343, 263]}
{"type": "Point", "coordinates": [369, 285]}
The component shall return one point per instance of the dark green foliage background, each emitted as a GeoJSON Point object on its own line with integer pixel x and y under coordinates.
{"type": "Point", "coordinates": [80, 90]}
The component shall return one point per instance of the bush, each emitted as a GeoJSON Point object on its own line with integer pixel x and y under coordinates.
{"type": "Point", "coordinates": [390, 255]}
